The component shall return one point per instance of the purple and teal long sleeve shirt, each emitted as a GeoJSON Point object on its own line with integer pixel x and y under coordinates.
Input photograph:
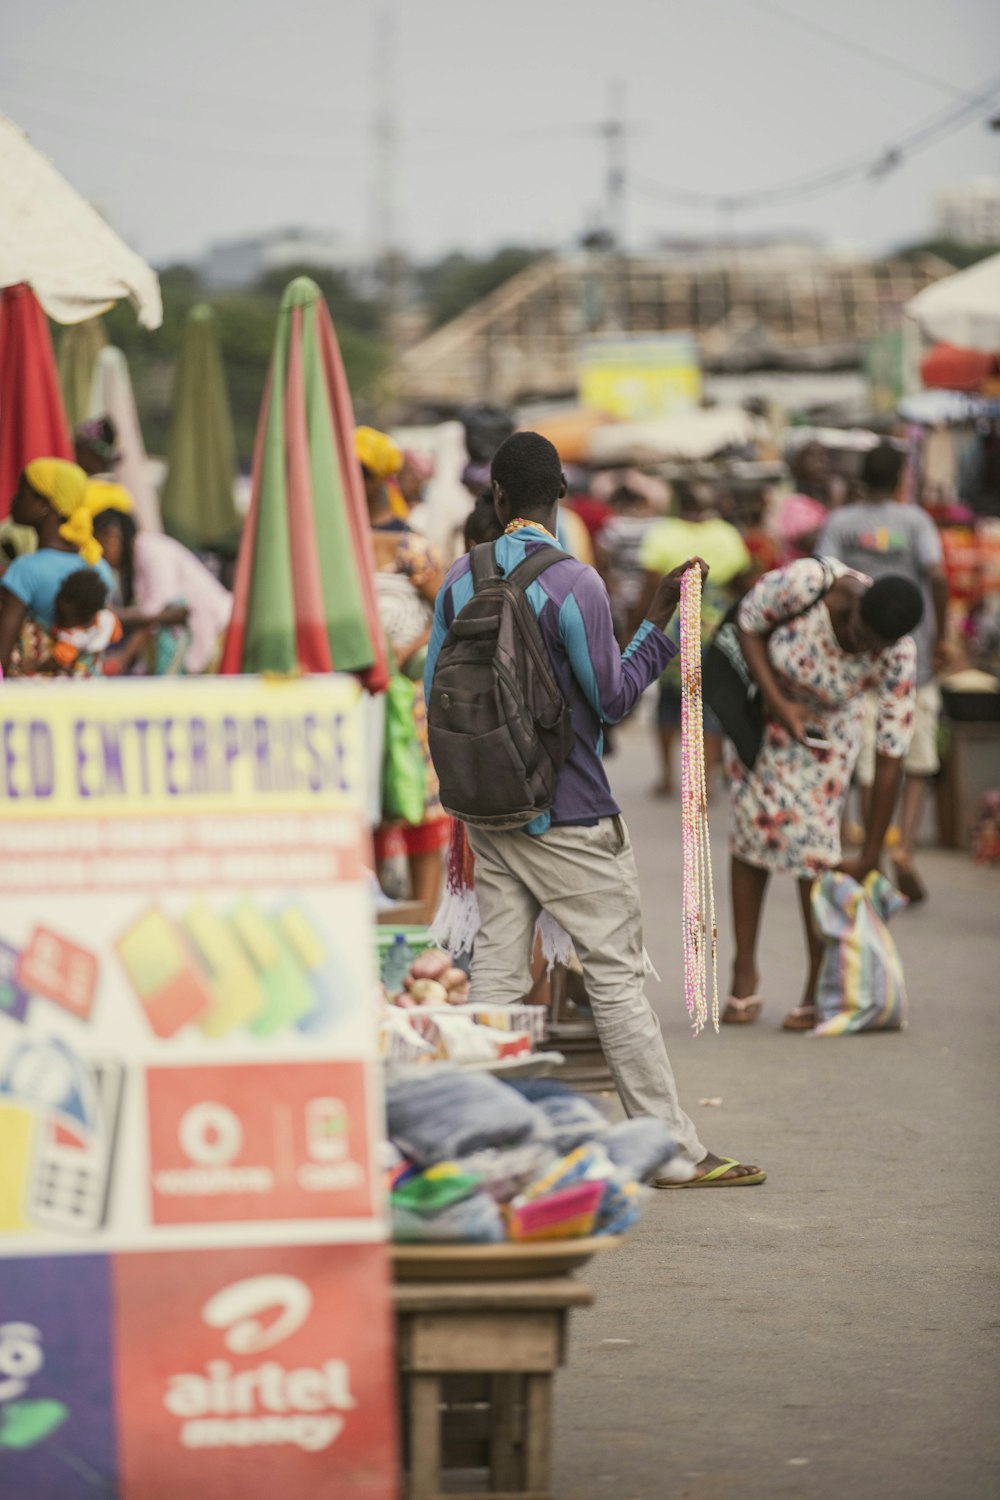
{"type": "Point", "coordinates": [601, 683]}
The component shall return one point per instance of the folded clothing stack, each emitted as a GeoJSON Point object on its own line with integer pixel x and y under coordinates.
{"type": "Point", "coordinates": [476, 1161]}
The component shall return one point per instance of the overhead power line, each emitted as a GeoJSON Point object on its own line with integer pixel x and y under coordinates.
{"type": "Point", "coordinates": [871, 164]}
{"type": "Point", "coordinates": [860, 49]}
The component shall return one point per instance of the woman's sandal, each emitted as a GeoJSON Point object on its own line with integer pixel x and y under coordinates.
{"type": "Point", "coordinates": [802, 1018]}
{"type": "Point", "coordinates": [908, 882]}
{"type": "Point", "coordinates": [742, 1012]}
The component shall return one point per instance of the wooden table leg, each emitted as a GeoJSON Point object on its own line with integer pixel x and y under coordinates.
{"type": "Point", "coordinates": [537, 1433]}
{"type": "Point", "coordinates": [505, 1463]}
{"type": "Point", "coordinates": [425, 1437]}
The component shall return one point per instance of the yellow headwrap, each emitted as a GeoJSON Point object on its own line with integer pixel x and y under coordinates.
{"type": "Point", "coordinates": [377, 452]}
{"type": "Point", "coordinates": [64, 486]}
{"type": "Point", "coordinates": [104, 494]}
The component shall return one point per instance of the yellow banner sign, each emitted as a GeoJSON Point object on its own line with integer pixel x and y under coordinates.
{"type": "Point", "coordinates": [224, 745]}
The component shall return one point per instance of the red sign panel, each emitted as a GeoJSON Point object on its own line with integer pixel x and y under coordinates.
{"type": "Point", "coordinates": [259, 1141]}
{"type": "Point", "coordinates": [263, 1373]}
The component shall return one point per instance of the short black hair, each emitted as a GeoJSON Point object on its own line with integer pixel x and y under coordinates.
{"type": "Point", "coordinates": [482, 523]}
{"type": "Point", "coordinates": [625, 498]}
{"type": "Point", "coordinates": [892, 607]}
{"type": "Point", "coordinates": [82, 594]}
{"type": "Point", "coordinates": [882, 468]}
{"type": "Point", "coordinates": [529, 470]}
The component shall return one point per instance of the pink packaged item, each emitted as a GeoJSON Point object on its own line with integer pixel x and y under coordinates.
{"type": "Point", "coordinates": [566, 1215]}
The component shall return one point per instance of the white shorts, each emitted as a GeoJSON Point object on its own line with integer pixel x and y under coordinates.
{"type": "Point", "coordinates": [922, 759]}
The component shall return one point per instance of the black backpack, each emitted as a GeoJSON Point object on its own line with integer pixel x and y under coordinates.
{"type": "Point", "coordinates": [499, 725]}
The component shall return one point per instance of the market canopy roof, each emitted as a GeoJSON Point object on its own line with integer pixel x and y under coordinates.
{"type": "Point", "coordinates": [53, 240]}
{"type": "Point", "coordinates": [696, 434]}
{"type": "Point", "coordinates": [963, 309]}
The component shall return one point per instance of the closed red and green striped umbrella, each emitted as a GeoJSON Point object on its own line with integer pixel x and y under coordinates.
{"type": "Point", "coordinates": [304, 596]}
{"type": "Point", "coordinates": [32, 420]}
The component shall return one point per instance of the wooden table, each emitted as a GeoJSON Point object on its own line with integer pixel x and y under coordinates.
{"type": "Point", "coordinates": [511, 1336]}
{"type": "Point", "coordinates": [971, 766]}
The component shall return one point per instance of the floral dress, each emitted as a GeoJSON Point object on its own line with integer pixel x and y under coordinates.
{"type": "Point", "coordinates": [405, 614]}
{"type": "Point", "coordinates": [786, 812]}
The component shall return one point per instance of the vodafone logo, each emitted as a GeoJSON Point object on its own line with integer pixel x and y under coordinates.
{"type": "Point", "coordinates": [238, 1308]}
{"type": "Point", "coordinates": [210, 1135]}
{"type": "Point", "coordinates": [230, 1406]}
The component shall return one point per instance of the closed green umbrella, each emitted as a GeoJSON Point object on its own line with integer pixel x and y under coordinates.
{"type": "Point", "coordinates": [304, 594]}
{"type": "Point", "coordinates": [79, 347]}
{"type": "Point", "coordinates": [197, 502]}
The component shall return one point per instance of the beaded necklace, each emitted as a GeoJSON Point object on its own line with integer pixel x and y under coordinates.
{"type": "Point", "coordinates": [699, 927]}
{"type": "Point", "coordinates": [519, 525]}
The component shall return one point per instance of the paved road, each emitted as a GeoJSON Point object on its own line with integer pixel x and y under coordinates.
{"type": "Point", "coordinates": [832, 1334]}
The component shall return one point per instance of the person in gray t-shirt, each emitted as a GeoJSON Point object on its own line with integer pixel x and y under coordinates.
{"type": "Point", "coordinates": [881, 535]}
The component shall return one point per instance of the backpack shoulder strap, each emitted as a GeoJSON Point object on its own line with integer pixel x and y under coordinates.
{"type": "Point", "coordinates": [535, 564]}
{"type": "Point", "coordinates": [484, 565]}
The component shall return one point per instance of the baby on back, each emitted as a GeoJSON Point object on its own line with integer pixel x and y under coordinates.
{"type": "Point", "coordinates": [82, 628]}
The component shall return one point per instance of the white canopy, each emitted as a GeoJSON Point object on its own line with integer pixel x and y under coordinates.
{"type": "Point", "coordinates": [51, 238]}
{"type": "Point", "coordinates": [691, 435]}
{"type": "Point", "coordinates": [963, 309]}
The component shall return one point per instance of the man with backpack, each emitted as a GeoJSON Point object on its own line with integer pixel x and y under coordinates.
{"type": "Point", "coordinates": [523, 672]}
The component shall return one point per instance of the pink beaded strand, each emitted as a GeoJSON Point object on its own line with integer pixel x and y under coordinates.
{"type": "Point", "coordinates": [699, 925]}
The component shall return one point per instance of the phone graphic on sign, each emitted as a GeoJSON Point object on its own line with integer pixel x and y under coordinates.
{"type": "Point", "coordinates": [327, 1129]}
{"type": "Point", "coordinates": [71, 1178]}
{"type": "Point", "coordinates": [71, 1110]}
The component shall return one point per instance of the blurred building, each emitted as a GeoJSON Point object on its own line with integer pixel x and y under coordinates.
{"type": "Point", "coordinates": [791, 308]}
{"type": "Point", "coordinates": [231, 264]}
{"type": "Point", "coordinates": [970, 215]}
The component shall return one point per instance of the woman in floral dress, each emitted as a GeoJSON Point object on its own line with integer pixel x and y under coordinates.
{"type": "Point", "coordinates": [816, 637]}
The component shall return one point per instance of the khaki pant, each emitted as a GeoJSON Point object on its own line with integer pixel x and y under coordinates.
{"type": "Point", "coordinates": [587, 880]}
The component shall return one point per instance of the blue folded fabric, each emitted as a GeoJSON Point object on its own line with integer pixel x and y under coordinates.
{"type": "Point", "coordinates": [573, 1119]}
{"type": "Point", "coordinates": [473, 1221]}
{"type": "Point", "coordinates": [639, 1147]}
{"type": "Point", "coordinates": [448, 1115]}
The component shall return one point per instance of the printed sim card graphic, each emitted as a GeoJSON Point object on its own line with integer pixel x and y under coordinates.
{"type": "Point", "coordinates": [59, 1174]}
{"type": "Point", "coordinates": [14, 998]}
{"type": "Point", "coordinates": [60, 970]}
{"type": "Point", "coordinates": [164, 973]}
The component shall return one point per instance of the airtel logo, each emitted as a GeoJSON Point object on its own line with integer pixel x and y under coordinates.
{"type": "Point", "coordinates": [226, 1406]}
{"type": "Point", "coordinates": [238, 1310]}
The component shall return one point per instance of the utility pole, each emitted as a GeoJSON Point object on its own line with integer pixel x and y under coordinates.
{"type": "Point", "coordinates": [613, 130]}
{"type": "Point", "coordinates": [386, 141]}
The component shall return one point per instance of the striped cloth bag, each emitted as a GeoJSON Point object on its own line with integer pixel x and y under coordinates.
{"type": "Point", "coordinates": [861, 983]}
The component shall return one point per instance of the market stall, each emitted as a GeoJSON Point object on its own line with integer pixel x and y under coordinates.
{"type": "Point", "coordinates": [502, 1182]}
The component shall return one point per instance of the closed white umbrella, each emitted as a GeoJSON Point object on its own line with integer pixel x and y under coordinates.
{"type": "Point", "coordinates": [51, 238]}
{"type": "Point", "coordinates": [964, 309]}
{"type": "Point", "coordinates": [111, 396]}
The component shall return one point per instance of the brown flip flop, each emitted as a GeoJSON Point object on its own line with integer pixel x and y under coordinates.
{"type": "Point", "coordinates": [742, 1012]}
{"type": "Point", "coordinates": [802, 1018]}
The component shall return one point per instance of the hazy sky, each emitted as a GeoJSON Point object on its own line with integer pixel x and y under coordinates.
{"type": "Point", "coordinates": [193, 120]}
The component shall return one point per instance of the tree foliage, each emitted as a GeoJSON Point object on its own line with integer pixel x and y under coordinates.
{"type": "Point", "coordinates": [956, 254]}
{"type": "Point", "coordinates": [458, 281]}
{"type": "Point", "coordinates": [246, 335]}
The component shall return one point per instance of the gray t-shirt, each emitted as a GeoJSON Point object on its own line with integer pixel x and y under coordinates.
{"type": "Point", "coordinates": [887, 536]}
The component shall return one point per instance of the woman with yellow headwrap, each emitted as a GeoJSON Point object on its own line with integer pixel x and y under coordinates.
{"type": "Point", "coordinates": [381, 461]}
{"type": "Point", "coordinates": [51, 500]}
